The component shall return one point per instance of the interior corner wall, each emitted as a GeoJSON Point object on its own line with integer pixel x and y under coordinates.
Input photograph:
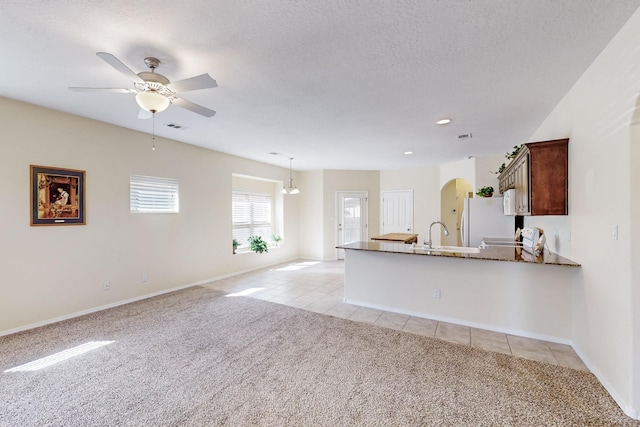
{"type": "Point", "coordinates": [51, 272]}
{"type": "Point", "coordinates": [596, 114]}
{"type": "Point", "coordinates": [426, 195]}
{"type": "Point", "coordinates": [342, 180]}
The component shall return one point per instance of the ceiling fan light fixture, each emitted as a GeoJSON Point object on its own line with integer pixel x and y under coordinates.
{"type": "Point", "coordinates": [152, 101]}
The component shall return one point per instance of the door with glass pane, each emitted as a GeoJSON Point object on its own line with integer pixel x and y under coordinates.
{"type": "Point", "coordinates": [351, 218]}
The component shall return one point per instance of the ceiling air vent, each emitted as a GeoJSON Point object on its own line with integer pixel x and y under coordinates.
{"type": "Point", "coordinates": [465, 137]}
{"type": "Point", "coordinates": [176, 126]}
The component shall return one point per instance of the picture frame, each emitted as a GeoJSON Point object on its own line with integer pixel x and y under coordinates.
{"type": "Point", "coordinates": [57, 196]}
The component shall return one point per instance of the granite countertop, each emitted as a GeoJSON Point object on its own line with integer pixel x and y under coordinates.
{"type": "Point", "coordinates": [493, 253]}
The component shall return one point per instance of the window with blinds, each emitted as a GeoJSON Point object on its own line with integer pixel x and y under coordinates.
{"type": "Point", "coordinates": [149, 194]}
{"type": "Point", "coordinates": [251, 216]}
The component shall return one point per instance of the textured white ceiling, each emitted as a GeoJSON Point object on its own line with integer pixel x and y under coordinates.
{"type": "Point", "coordinates": [335, 84]}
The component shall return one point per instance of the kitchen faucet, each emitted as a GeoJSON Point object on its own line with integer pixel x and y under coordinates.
{"type": "Point", "coordinates": [428, 241]}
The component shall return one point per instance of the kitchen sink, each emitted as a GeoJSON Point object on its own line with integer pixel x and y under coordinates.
{"type": "Point", "coordinates": [457, 249]}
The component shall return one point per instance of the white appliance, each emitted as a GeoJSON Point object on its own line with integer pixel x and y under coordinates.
{"type": "Point", "coordinates": [530, 238]}
{"type": "Point", "coordinates": [483, 218]}
{"type": "Point", "coordinates": [509, 202]}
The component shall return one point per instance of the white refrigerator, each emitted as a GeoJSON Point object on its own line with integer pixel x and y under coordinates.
{"type": "Point", "coordinates": [484, 217]}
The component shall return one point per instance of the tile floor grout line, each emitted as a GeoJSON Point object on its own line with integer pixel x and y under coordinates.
{"type": "Point", "coordinates": [332, 286]}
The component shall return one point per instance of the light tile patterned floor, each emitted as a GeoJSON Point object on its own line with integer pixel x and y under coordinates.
{"type": "Point", "coordinates": [318, 286]}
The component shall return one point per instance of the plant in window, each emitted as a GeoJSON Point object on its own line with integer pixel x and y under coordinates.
{"type": "Point", "coordinates": [257, 244]}
{"type": "Point", "coordinates": [276, 238]}
{"type": "Point", "coordinates": [235, 244]}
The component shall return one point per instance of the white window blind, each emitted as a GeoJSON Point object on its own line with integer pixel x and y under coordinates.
{"type": "Point", "coordinates": [251, 216]}
{"type": "Point", "coordinates": [150, 194]}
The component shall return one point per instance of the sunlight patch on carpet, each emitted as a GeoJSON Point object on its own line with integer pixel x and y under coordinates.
{"type": "Point", "coordinates": [60, 356]}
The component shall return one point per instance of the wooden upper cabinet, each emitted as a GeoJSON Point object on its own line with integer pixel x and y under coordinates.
{"type": "Point", "coordinates": [540, 175]}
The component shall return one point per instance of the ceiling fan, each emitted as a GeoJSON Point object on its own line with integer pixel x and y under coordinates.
{"type": "Point", "coordinates": [154, 92]}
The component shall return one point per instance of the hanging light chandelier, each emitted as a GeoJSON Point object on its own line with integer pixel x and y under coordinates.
{"type": "Point", "coordinates": [290, 189]}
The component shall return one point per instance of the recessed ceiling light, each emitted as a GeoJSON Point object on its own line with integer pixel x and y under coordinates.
{"type": "Point", "coordinates": [408, 153]}
{"type": "Point", "coordinates": [443, 121]}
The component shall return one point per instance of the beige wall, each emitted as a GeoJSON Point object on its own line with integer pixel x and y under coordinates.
{"type": "Point", "coordinates": [634, 253]}
{"type": "Point", "coordinates": [52, 272]}
{"type": "Point", "coordinates": [464, 169]}
{"type": "Point", "coordinates": [485, 168]}
{"type": "Point", "coordinates": [311, 198]}
{"type": "Point", "coordinates": [596, 114]}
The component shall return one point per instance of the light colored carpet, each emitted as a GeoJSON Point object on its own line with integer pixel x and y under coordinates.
{"type": "Point", "coordinates": [198, 358]}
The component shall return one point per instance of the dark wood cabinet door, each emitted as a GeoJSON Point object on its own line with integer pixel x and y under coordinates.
{"type": "Point", "coordinates": [540, 175]}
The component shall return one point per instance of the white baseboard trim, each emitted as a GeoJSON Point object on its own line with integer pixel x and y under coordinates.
{"type": "Point", "coordinates": [628, 410]}
{"type": "Point", "coordinates": [99, 308]}
{"type": "Point", "coordinates": [130, 300]}
{"type": "Point", "coordinates": [517, 332]}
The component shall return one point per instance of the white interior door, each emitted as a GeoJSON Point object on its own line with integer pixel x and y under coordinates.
{"type": "Point", "coordinates": [397, 211]}
{"type": "Point", "coordinates": [352, 218]}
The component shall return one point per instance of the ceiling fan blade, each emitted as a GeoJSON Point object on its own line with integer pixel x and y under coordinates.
{"type": "Point", "coordinates": [188, 105]}
{"type": "Point", "coordinates": [101, 89]}
{"type": "Point", "coordinates": [203, 81]}
{"type": "Point", "coordinates": [144, 114]}
{"type": "Point", "coordinates": [118, 65]}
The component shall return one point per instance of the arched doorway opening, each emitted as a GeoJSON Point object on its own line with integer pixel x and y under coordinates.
{"type": "Point", "coordinates": [452, 197]}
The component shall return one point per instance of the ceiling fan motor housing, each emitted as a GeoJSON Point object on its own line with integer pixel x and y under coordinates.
{"type": "Point", "coordinates": [153, 77]}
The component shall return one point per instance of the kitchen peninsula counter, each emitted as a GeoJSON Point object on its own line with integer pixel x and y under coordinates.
{"type": "Point", "coordinates": [492, 253]}
{"type": "Point", "coordinates": [496, 289]}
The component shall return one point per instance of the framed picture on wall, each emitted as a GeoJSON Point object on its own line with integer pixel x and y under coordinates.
{"type": "Point", "coordinates": [57, 196]}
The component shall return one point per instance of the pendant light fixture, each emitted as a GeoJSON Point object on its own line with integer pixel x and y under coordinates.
{"type": "Point", "coordinates": [291, 189]}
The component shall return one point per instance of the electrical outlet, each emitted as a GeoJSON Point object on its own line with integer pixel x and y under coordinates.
{"type": "Point", "coordinates": [615, 232]}
{"type": "Point", "coordinates": [436, 293]}
{"type": "Point", "coordinates": [145, 278]}
{"type": "Point", "coordinates": [106, 285]}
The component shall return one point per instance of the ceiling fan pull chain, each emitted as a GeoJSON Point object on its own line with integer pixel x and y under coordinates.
{"type": "Point", "coordinates": [153, 132]}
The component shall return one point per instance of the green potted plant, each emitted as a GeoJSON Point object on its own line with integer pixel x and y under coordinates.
{"type": "Point", "coordinates": [514, 153]}
{"type": "Point", "coordinates": [276, 238]}
{"type": "Point", "coordinates": [257, 244]}
{"type": "Point", "coordinates": [510, 156]}
{"type": "Point", "coordinates": [235, 244]}
{"type": "Point", "coordinates": [486, 191]}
